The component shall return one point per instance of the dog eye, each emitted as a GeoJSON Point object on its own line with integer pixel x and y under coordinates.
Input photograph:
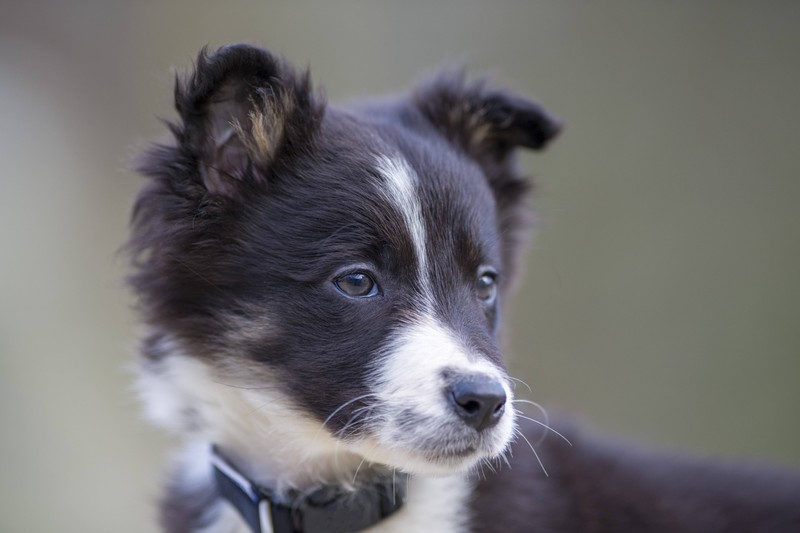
{"type": "Point", "coordinates": [486, 287]}
{"type": "Point", "coordinates": [356, 285]}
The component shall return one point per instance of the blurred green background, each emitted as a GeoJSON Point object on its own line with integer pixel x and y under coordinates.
{"type": "Point", "coordinates": [661, 301]}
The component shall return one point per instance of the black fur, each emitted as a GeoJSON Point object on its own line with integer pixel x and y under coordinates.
{"type": "Point", "coordinates": [265, 194]}
{"type": "Point", "coordinates": [224, 234]}
{"type": "Point", "coordinates": [600, 486]}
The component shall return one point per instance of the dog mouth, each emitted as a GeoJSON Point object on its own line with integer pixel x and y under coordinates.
{"type": "Point", "coordinates": [445, 458]}
{"type": "Point", "coordinates": [453, 450]}
{"type": "Point", "coordinates": [454, 457]}
{"type": "Point", "coordinates": [431, 445]}
{"type": "Point", "coordinates": [459, 453]}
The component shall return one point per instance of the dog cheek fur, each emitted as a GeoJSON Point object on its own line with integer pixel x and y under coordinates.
{"type": "Point", "coordinates": [241, 420]}
{"type": "Point", "coordinates": [204, 404]}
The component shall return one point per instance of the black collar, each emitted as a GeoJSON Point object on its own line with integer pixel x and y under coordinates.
{"type": "Point", "coordinates": [326, 510]}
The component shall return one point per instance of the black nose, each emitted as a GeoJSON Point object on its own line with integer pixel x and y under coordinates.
{"type": "Point", "coordinates": [478, 400]}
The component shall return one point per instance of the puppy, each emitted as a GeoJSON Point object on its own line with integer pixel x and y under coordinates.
{"type": "Point", "coordinates": [322, 289]}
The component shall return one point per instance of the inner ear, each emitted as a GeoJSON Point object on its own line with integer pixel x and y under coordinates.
{"type": "Point", "coordinates": [240, 107]}
{"type": "Point", "coordinates": [226, 159]}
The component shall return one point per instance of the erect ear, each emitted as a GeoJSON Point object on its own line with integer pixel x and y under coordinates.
{"type": "Point", "coordinates": [242, 108]}
{"type": "Point", "coordinates": [486, 123]}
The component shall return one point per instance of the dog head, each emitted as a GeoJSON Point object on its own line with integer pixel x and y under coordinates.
{"type": "Point", "coordinates": [327, 281]}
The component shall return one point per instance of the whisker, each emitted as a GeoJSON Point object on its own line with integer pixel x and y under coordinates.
{"type": "Point", "coordinates": [538, 406]}
{"type": "Point", "coordinates": [357, 469]}
{"type": "Point", "coordinates": [231, 385]}
{"type": "Point", "coordinates": [534, 453]}
{"type": "Point", "coordinates": [530, 402]}
{"type": "Point", "coordinates": [481, 473]}
{"type": "Point", "coordinates": [498, 464]}
{"type": "Point", "coordinates": [345, 404]}
{"type": "Point", "coordinates": [545, 426]}
{"type": "Point", "coordinates": [188, 267]}
{"type": "Point", "coordinates": [360, 423]}
{"type": "Point", "coordinates": [504, 457]}
{"type": "Point", "coordinates": [354, 418]}
{"type": "Point", "coordinates": [520, 381]}
{"type": "Point", "coordinates": [544, 414]}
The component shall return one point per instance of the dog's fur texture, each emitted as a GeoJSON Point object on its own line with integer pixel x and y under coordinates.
{"type": "Point", "coordinates": [316, 282]}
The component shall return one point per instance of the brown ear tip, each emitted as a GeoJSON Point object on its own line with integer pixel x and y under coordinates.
{"type": "Point", "coordinates": [551, 128]}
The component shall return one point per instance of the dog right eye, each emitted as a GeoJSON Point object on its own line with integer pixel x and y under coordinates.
{"type": "Point", "coordinates": [486, 286]}
{"type": "Point", "coordinates": [356, 285]}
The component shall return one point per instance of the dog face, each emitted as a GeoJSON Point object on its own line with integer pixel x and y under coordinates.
{"type": "Point", "coordinates": [343, 266]}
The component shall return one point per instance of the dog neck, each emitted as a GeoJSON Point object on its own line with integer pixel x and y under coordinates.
{"type": "Point", "coordinates": [327, 509]}
{"type": "Point", "coordinates": [194, 504]}
{"type": "Point", "coordinates": [272, 446]}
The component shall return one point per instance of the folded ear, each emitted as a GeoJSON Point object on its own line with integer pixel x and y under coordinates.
{"type": "Point", "coordinates": [241, 109]}
{"type": "Point", "coordinates": [486, 123]}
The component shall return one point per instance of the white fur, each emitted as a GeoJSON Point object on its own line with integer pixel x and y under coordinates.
{"type": "Point", "coordinates": [409, 377]}
{"type": "Point", "coordinates": [194, 462]}
{"type": "Point", "coordinates": [435, 504]}
{"type": "Point", "coordinates": [256, 427]}
{"type": "Point", "coordinates": [400, 181]}
{"type": "Point", "coordinates": [274, 445]}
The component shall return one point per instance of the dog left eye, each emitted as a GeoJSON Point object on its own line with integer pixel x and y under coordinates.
{"type": "Point", "coordinates": [356, 285]}
{"type": "Point", "coordinates": [486, 287]}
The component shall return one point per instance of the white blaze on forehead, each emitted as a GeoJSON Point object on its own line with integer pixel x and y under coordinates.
{"type": "Point", "coordinates": [401, 190]}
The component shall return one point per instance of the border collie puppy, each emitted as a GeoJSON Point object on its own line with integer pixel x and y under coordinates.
{"type": "Point", "coordinates": [322, 289]}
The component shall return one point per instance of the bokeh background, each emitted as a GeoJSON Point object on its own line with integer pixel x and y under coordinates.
{"type": "Point", "coordinates": [661, 301]}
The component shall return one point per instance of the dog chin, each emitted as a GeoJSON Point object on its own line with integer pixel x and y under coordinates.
{"type": "Point", "coordinates": [436, 459]}
{"type": "Point", "coordinates": [441, 464]}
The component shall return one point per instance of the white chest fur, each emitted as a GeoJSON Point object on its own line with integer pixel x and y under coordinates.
{"type": "Point", "coordinates": [434, 504]}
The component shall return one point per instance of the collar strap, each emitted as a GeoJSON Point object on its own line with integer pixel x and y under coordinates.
{"type": "Point", "coordinates": [326, 510]}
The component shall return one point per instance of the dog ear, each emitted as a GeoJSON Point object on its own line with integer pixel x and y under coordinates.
{"type": "Point", "coordinates": [486, 123]}
{"type": "Point", "coordinates": [241, 109]}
